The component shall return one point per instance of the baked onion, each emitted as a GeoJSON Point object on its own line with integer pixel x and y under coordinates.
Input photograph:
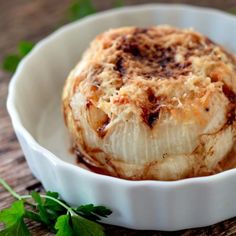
{"type": "Point", "coordinates": [153, 103]}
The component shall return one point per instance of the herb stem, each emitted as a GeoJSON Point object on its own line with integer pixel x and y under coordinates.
{"type": "Point", "coordinates": [69, 209]}
{"type": "Point", "coordinates": [9, 189]}
{"type": "Point", "coordinates": [17, 196]}
{"type": "Point", "coordinates": [29, 203]}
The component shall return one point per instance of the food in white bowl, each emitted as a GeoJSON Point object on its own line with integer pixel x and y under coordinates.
{"type": "Point", "coordinates": [34, 104]}
{"type": "Point", "coordinates": [153, 103]}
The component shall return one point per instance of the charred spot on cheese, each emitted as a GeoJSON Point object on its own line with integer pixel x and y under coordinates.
{"type": "Point", "coordinates": [231, 116]}
{"type": "Point", "coordinates": [139, 30]}
{"type": "Point", "coordinates": [132, 48]}
{"type": "Point", "coordinates": [151, 110]}
{"type": "Point", "coordinates": [229, 93]}
{"type": "Point", "coordinates": [145, 54]}
{"type": "Point", "coordinates": [88, 103]}
{"type": "Point", "coordinates": [119, 66]}
{"type": "Point", "coordinates": [150, 117]}
{"type": "Point", "coordinates": [151, 96]}
{"type": "Point", "coordinates": [232, 106]}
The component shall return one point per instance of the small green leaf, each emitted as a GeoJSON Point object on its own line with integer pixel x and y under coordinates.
{"type": "Point", "coordinates": [35, 195]}
{"type": "Point", "coordinates": [80, 9]}
{"type": "Point", "coordinates": [42, 211]}
{"type": "Point", "coordinates": [92, 212]}
{"type": "Point", "coordinates": [53, 208]}
{"type": "Point", "coordinates": [86, 208]}
{"type": "Point", "coordinates": [33, 216]}
{"type": "Point", "coordinates": [9, 216]}
{"type": "Point", "coordinates": [43, 215]}
{"type": "Point", "coordinates": [87, 212]}
{"type": "Point", "coordinates": [232, 10]}
{"type": "Point", "coordinates": [24, 47]}
{"type": "Point", "coordinates": [84, 227]}
{"type": "Point", "coordinates": [11, 62]}
{"type": "Point", "coordinates": [63, 226]}
{"type": "Point", "coordinates": [49, 203]}
{"type": "Point", "coordinates": [102, 211]}
{"type": "Point", "coordinates": [17, 229]}
{"type": "Point", "coordinates": [13, 219]}
{"type": "Point", "coordinates": [52, 194]}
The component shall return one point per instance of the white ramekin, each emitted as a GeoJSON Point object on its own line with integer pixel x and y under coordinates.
{"type": "Point", "coordinates": [34, 107]}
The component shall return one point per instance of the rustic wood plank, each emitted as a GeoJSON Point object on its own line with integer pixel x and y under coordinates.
{"type": "Point", "coordinates": [17, 22]}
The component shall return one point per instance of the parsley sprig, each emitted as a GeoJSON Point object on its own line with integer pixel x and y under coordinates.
{"type": "Point", "coordinates": [80, 8]}
{"type": "Point", "coordinates": [119, 3]}
{"type": "Point", "coordinates": [52, 212]}
{"type": "Point", "coordinates": [232, 10]}
{"type": "Point", "coordinates": [11, 61]}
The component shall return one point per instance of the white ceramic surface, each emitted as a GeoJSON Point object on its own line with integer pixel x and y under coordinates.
{"type": "Point", "coordinates": [34, 106]}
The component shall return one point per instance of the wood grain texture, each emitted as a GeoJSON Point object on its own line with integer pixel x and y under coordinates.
{"type": "Point", "coordinates": [33, 20]}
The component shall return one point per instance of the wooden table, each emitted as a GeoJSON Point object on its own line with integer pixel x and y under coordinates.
{"type": "Point", "coordinates": [33, 20]}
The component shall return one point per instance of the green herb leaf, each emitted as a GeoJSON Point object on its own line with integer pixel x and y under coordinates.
{"type": "Point", "coordinates": [93, 212]}
{"type": "Point", "coordinates": [102, 211]}
{"type": "Point", "coordinates": [232, 10]}
{"type": "Point", "coordinates": [87, 213]}
{"type": "Point", "coordinates": [33, 216]}
{"type": "Point", "coordinates": [63, 226]}
{"type": "Point", "coordinates": [35, 195]}
{"type": "Point", "coordinates": [25, 47]}
{"type": "Point", "coordinates": [84, 227]}
{"type": "Point", "coordinates": [18, 229]}
{"type": "Point", "coordinates": [119, 3]}
{"type": "Point", "coordinates": [49, 203]}
{"type": "Point", "coordinates": [10, 215]}
{"type": "Point", "coordinates": [53, 208]}
{"type": "Point", "coordinates": [13, 219]}
{"type": "Point", "coordinates": [80, 9]}
{"type": "Point", "coordinates": [42, 211]}
{"type": "Point", "coordinates": [11, 62]}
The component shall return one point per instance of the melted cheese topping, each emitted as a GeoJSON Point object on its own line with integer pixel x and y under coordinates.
{"type": "Point", "coordinates": [155, 67]}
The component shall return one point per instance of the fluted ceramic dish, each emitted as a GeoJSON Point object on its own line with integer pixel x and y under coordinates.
{"type": "Point", "coordinates": [34, 103]}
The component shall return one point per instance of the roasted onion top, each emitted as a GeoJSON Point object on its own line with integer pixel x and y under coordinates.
{"type": "Point", "coordinates": [153, 103]}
